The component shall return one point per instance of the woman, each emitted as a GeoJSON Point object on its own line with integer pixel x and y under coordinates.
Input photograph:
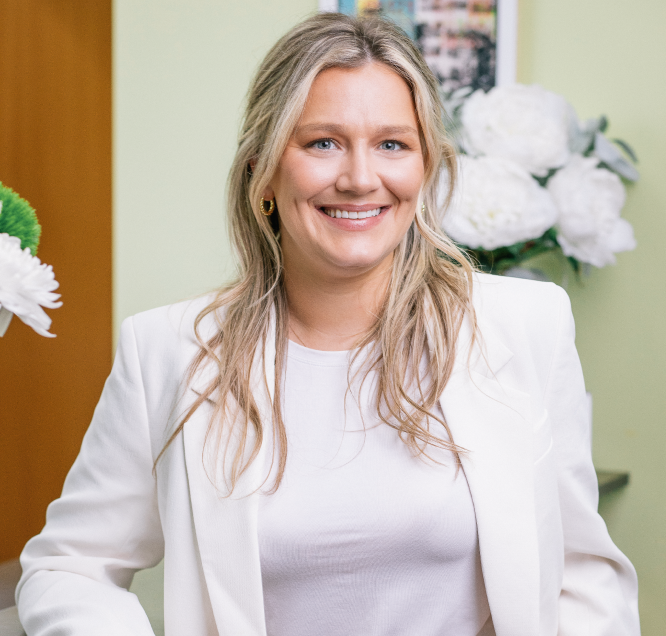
{"type": "Point", "coordinates": [359, 436]}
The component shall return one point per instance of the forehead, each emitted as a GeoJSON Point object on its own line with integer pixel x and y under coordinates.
{"type": "Point", "coordinates": [372, 94]}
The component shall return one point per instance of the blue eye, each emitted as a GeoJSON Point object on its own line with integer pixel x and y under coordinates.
{"type": "Point", "coordinates": [323, 144]}
{"type": "Point", "coordinates": [391, 145]}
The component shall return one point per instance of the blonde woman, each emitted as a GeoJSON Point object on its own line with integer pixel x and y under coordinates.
{"type": "Point", "coordinates": [360, 435]}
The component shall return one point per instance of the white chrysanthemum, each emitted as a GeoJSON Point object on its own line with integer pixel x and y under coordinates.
{"type": "Point", "coordinates": [525, 123]}
{"type": "Point", "coordinates": [497, 203]}
{"type": "Point", "coordinates": [590, 201]}
{"type": "Point", "coordinates": [25, 284]}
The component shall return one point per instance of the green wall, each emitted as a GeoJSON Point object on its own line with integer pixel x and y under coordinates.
{"type": "Point", "coordinates": [181, 68]}
{"type": "Point", "coordinates": [608, 57]}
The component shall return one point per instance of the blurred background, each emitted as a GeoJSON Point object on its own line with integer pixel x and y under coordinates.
{"type": "Point", "coordinates": [118, 121]}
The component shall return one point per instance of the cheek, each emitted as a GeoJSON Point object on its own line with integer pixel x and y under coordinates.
{"type": "Point", "coordinates": [301, 177]}
{"type": "Point", "coordinates": [405, 180]}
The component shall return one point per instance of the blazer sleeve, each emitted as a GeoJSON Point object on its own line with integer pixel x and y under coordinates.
{"type": "Point", "coordinates": [600, 589]}
{"type": "Point", "coordinates": [104, 527]}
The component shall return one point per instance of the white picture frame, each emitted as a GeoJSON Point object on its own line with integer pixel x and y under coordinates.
{"type": "Point", "coordinates": [506, 45]}
{"type": "Point", "coordinates": [506, 65]}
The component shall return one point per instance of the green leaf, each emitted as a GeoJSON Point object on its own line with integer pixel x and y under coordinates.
{"type": "Point", "coordinates": [542, 181]}
{"type": "Point", "coordinates": [575, 264]}
{"type": "Point", "coordinates": [502, 258]}
{"type": "Point", "coordinates": [17, 218]}
{"type": "Point", "coordinates": [613, 158]}
{"type": "Point", "coordinates": [627, 148]}
{"type": "Point", "coordinates": [581, 136]}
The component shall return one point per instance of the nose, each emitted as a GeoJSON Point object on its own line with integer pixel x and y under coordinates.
{"type": "Point", "coordinates": [358, 174]}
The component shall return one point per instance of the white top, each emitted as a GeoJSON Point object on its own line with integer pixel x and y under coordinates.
{"type": "Point", "coordinates": [362, 537]}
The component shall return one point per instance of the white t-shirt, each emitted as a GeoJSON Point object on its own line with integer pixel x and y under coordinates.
{"type": "Point", "coordinates": [362, 537]}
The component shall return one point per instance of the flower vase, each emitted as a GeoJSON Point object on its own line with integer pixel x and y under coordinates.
{"type": "Point", "coordinates": [5, 319]}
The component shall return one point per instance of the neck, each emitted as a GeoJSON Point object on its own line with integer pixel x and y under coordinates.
{"type": "Point", "coordinates": [333, 313]}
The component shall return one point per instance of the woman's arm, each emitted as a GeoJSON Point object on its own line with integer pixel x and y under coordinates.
{"type": "Point", "coordinates": [599, 595]}
{"type": "Point", "coordinates": [104, 527]}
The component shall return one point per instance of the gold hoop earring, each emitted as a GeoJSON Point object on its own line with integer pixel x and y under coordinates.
{"type": "Point", "coordinates": [271, 207]}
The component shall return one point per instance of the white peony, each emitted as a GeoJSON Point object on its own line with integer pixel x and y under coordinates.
{"type": "Point", "coordinates": [590, 200]}
{"type": "Point", "coordinates": [497, 203]}
{"type": "Point", "coordinates": [525, 123]}
{"type": "Point", "coordinates": [25, 284]}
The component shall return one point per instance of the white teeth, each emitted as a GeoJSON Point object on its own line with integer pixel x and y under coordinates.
{"type": "Point", "coordinates": [344, 214]}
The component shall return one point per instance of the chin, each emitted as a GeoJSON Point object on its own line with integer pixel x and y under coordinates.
{"type": "Point", "coordinates": [356, 262]}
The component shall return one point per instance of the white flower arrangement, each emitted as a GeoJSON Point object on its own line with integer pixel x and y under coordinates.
{"type": "Point", "coordinates": [590, 200]}
{"type": "Point", "coordinates": [533, 179]}
{"type": "Point", "coordinates": [525, 123]}
{"type": "Point", "coordinates": [26, 284]}
{"type": "Point", "coordinates": [498, 203]}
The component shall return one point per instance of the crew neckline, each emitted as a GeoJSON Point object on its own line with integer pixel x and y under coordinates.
{"type": "Point", "coordinates": [318, 357]}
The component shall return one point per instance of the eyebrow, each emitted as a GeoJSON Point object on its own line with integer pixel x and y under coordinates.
{"type": "Point", "coordinates": [337, 129]}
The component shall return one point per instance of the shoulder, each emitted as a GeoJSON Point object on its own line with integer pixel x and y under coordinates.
{"type": "Point", "coordinates": [515, 294]}
{"type": "Point", "coordinates": [524, 314]}
{"type": "Point", "coordinates": [162, 343]}
{"type": "Point", "coordinates": [515, 301]}
{"type": "Point", "coordinates": [175, 320]}
{"type": "Point", "coordinates": [166, 334]}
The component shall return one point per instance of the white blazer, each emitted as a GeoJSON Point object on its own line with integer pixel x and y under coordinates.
{"type": "Point", "coordinates": [549, 566]}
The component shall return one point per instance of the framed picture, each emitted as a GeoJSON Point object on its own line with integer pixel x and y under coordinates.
{"type": "Point", "coordinates": [465, 42]}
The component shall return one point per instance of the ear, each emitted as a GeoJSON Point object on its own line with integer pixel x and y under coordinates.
{"type": "Point", "coordinates": [268, 192]}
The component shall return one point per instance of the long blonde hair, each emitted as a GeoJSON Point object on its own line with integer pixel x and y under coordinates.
{"type": "Point", "coordinates": [431, 279]}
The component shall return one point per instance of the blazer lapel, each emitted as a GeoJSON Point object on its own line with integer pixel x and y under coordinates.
{"type": "Point", "coordinates": [486, 417]}
{"type": "Point", "coordinates": [226, 527]}
{"type": "Point", "coordinates": [491, 421]}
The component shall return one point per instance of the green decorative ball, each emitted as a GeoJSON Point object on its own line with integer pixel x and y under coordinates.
{"type": "Point", "coordinates": [17, 218]}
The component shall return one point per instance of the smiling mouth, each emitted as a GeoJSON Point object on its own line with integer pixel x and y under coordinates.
{"type": "Point", "coordinates": [335, 213]}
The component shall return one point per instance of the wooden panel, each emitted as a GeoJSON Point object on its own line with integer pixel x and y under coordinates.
{"type": "Point", "coordinates": [55, 150]}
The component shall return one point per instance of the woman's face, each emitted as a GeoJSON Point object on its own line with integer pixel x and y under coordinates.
{"type": "Point", "coordinates": [355, 153]}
